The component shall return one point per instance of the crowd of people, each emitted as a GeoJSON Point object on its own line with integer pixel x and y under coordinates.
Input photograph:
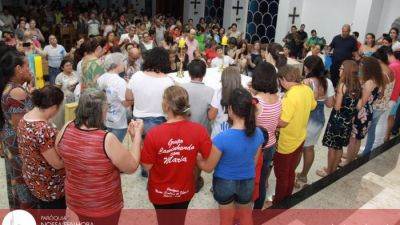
{"type": "Point", "coordinates": [118, 73]}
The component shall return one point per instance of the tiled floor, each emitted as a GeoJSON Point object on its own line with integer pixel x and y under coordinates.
{"type": "Point", "coordinates": [135, 194]}
{"type": "Point", "coordinates": [373, 185]}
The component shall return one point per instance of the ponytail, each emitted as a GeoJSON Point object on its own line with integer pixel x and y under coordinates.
{"type": "Point", "coordinates": [250, 121]}
{"type": "Point", "coordinates": [244, 106]}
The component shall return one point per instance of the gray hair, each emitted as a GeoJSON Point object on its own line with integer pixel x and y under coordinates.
{"type": "Point", "coordinates": [113, 60]}
{"type": "Point", "coordinates": [90, 109]}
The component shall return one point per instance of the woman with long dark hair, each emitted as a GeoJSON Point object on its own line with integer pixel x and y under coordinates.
{"type": "Point", "coordinates": [369, 46]}
{"type": "Point", "coordinates": [373, 85]}
{"type": "Point", "coordinates": [237, 152]}
{"type": "Point", "coordinates": [276, 55]}
{"type": "Point", "coordinates": [15, 102]}
{"type": "Point", "coordinates": [324, 94]}
{"type": "Point", "coordinates": [381, 106]}
{"type": "Point", "coordinates": [338, 129]}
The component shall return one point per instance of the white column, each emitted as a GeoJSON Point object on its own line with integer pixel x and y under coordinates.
{"type": "Point", "coordinates": [361, 16]}
{"type": "Point", "coordinates": [189, 12]}
{"type": "Point", "coordinates": [231, 17]}
{"type": "Point", "coordinates": [283, 20]}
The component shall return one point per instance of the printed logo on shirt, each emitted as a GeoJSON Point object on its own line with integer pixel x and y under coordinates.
{"type": "Point", "coordinates": [171, 193]}
{"type": "Point", "coordinates": [174, 151]}
{"type": "Point", "coordinates": [225, 126]}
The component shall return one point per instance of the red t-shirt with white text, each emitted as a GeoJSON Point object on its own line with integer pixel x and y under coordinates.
{"type": "Point", "coordinates": [172, 150]}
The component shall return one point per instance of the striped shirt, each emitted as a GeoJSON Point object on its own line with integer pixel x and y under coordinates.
{"type": "Point", "coordinates": [269, 118]}
{"type": "Point", "coordinates": [93, 183]}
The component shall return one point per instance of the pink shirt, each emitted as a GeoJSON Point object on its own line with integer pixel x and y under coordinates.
{"type": "Point", "coordinates": [192, 46]}
{"type": "Point", "coordinates": [395, 66]}
{"type": "Point", "coordinates": [269, 118]}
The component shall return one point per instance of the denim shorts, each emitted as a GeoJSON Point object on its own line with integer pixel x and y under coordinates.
{"type": "Point", "coordinates": [228, 191]}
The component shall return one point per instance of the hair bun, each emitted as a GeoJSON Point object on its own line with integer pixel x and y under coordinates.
{"type": "Point", "coordinates": [47, 96]}
{"type": "Point", "coordinates": [37, 97]}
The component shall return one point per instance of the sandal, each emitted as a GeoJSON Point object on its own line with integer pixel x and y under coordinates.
{"type": "Point", "coordinates": [322, 173]}
{"type": "Point", "coordinates": [300, 181]}
{"type": "Point", "coordinates": [342, 164]}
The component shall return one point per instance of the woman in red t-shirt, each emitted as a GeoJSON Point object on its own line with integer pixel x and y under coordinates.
{"type": "Point", "coordinates": [169, 154]}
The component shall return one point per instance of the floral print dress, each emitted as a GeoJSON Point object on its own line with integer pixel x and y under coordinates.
{"type": "Point", "coordinates": [19, 195]}
{"type": "Point", "coordinates": [364, 116]}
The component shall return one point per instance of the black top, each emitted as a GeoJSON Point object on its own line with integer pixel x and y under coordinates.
{"type": "Point", "coordinates": [343, 48]}
{"type": "Point", "coordinates": [303, 36]}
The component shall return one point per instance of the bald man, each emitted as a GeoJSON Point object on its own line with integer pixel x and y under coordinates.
{"type": "Point", "coordinates": [134, 63]}
{"type": "Point", "coordinates": [192, 44]}
{"type": "Point", "coordinates": [344, 47]}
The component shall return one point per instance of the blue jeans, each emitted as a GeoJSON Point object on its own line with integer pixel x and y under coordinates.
{"type": "Point", "coordinates": [53, 72]}
{"type": "Point", "coordinates": [120, 133]}
{"type": "Point", "coordinates": [150, 122]}
{"type": "Point", "coordinates": [268, 155]}
{"type": "Point", "coordinates": [371, 131]}
{"type": "Point", "coordinates": [227, 191]}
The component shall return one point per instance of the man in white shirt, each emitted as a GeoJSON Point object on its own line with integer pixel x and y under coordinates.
{"type": "Point", "coordinates": [130, 37]}
{"type": "Point", "coordinates": [93, 26]}
{"type": "Point", "coordinates": [55, 53]}
{"type": "Point", "coordinates": [221, 59]}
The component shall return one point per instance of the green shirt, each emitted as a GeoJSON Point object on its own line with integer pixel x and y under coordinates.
{"type": "Point", "coordinates": [91, 70]}
{"type": "Point", "coordinates": [202, 41]}
{"type": "Point", "coordinates": [315, 41]}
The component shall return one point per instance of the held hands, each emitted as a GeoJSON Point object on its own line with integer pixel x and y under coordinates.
{"type": "Point", "coordinates": [135, 128]}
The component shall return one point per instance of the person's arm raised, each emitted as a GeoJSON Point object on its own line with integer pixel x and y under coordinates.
{"type": "Point", "coordinates": [126, 161]}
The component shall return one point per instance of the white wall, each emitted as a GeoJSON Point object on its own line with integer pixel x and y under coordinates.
{"type": "Point", "coordinates": [327, 16]}
{"type": "Point", "coordinates": [230, 14]}
{"type": "Point", "coordinates": [390, 11]}
{"type": "Point", "coordinates": [282, 24]}
{"type": "Point", "coordinates": [189, 11]}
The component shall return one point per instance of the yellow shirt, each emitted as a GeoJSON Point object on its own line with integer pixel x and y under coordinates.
{"type": "Point", "coordinates": [297, 104]}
